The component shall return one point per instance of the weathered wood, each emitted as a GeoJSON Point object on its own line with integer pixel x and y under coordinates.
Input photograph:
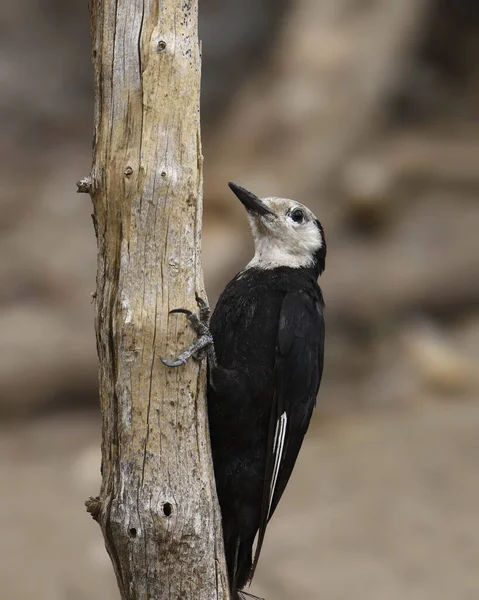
{"type": "Point", "coordinates": [157, 507]}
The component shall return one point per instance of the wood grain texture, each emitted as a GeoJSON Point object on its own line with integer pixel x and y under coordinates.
{"type": "Point", "coordinates": [157, 507]}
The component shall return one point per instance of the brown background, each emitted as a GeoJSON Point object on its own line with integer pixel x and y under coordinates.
{"type": "Point", "coordinates": [368, 112]}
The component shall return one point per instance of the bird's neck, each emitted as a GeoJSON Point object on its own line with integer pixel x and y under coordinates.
{"type": "Point", "coordinates": [270, 254]}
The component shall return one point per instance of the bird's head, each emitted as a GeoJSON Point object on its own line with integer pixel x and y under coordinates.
{"type": "Point", "coordinates": [285, 232]}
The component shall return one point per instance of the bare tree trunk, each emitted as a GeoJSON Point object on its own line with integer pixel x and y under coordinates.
{"type": "Point", "coordinates": [157, 508]}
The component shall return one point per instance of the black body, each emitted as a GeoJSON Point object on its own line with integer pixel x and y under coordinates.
{"type": "Point", "coordinates": [268, 332]}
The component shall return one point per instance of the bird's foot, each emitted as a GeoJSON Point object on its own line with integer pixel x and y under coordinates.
{"type": "Point", "coordinates": [203, 346]}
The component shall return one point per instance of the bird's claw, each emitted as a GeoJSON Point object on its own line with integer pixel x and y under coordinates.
{"type": "Point", "coordinates": [203, 347]}
{"type": "Point", "coordinates": [172, 363]}
{"type": "Point", "coordinates": [182, 311]}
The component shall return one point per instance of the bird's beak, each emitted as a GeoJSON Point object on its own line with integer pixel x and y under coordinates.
{"type": "Point", "coordinates": [252, 203]}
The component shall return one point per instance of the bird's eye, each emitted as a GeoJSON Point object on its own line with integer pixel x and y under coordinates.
{"type": "Point", "coordinates": [297, 215]}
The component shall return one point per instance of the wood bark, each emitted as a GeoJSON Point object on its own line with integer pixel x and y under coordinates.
{"type": "Point", "coordinates": [157, 507]}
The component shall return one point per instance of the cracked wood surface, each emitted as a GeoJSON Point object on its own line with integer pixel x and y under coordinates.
{"type": "Point", "coordinates": [157, 507]}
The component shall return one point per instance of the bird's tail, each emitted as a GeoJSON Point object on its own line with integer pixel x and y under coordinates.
{"type": "Point", "coordinates": [243, 595]}
{"type": "Point", "coordinates": [238, 561]}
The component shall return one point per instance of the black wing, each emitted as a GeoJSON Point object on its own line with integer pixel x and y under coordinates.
{"type": "Point", "coordinates": [298, 370]}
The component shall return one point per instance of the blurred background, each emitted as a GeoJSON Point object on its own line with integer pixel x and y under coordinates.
{"type": "Point", "coordinates": [368, 112]}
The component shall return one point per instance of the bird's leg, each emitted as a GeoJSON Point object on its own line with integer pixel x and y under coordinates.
{"type": "Point", "coordinates": [204, 322]}
{"type": "Point", "coordinates": [203, 347]}
{"type": "Point", "coordinates": [205, 312]}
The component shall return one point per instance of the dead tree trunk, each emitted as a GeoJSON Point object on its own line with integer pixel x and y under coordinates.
{"type": "Point", "coordinates": [157, 507]}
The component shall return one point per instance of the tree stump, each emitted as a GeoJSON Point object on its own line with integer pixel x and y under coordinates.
{"type": "Point", "coordinates": [157, 507]}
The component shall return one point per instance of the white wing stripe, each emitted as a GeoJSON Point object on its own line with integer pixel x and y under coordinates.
{"type": "Point", "coordinates": [278, 445]}
{"type": "Point", "coordinates": [276, 436]}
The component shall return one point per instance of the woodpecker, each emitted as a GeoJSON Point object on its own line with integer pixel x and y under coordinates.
{"type": "Point", "coordinates": [265, 348]}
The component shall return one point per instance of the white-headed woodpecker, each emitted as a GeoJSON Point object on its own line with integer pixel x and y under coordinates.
{"type": "Point", "coordinates": [265, 346]}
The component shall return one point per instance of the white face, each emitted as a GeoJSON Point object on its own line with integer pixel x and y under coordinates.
{"type": "Point", "coordinates": [289, 238]}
